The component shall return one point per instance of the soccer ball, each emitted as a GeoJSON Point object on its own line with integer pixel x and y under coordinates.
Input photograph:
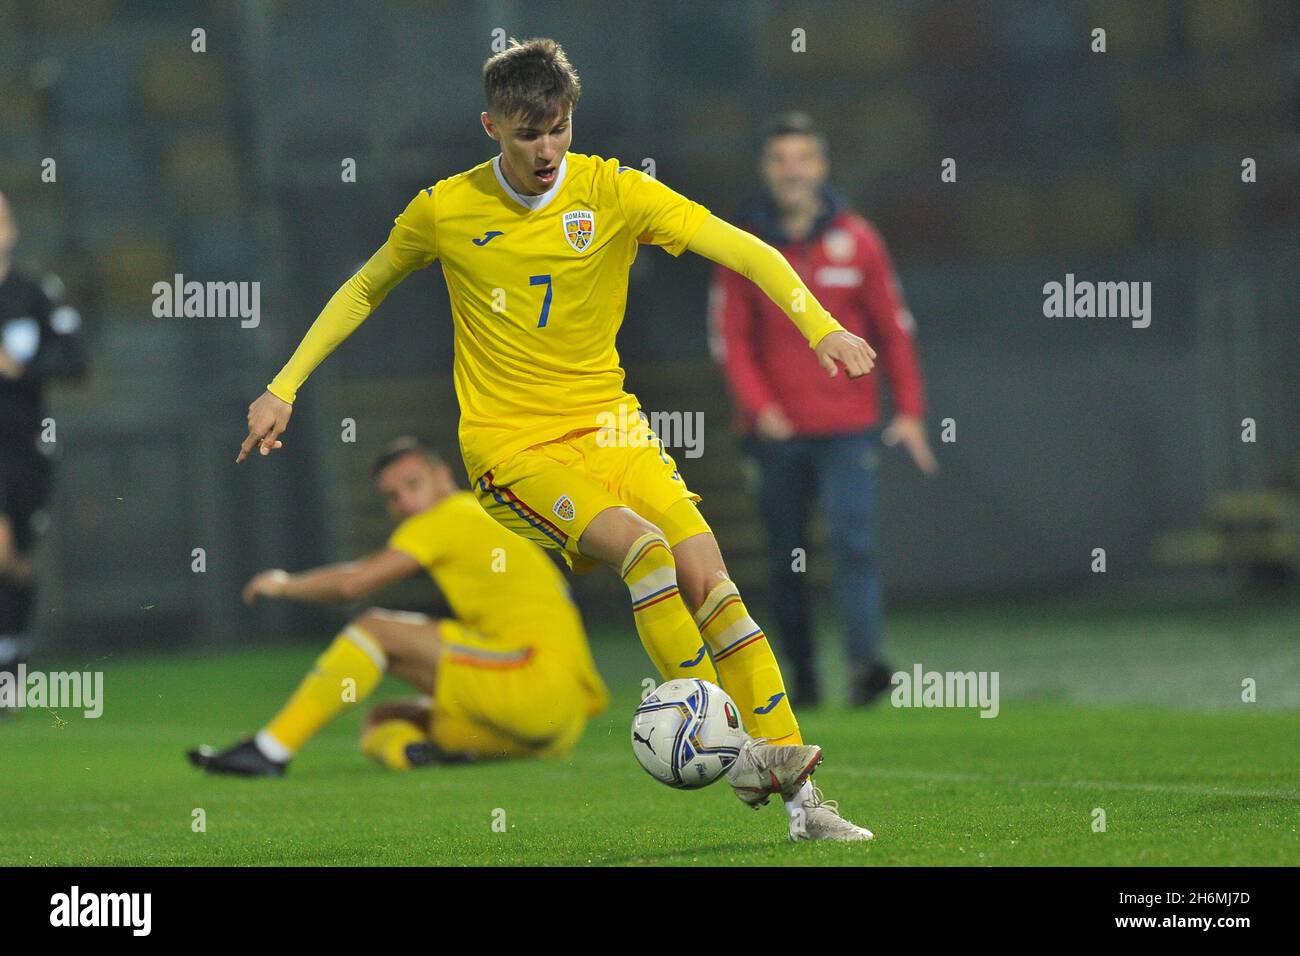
{"type": "Point", "coordinates": [687, 733]}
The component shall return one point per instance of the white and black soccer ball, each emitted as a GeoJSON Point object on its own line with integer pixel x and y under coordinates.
{"type": "Point", "coordinates": [687, 733]}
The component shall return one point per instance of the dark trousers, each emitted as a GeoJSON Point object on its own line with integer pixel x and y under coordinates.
{"type": "Point", "coordinates": [24, 489]}
{"type": "Point", "coordinates": [841, 473]}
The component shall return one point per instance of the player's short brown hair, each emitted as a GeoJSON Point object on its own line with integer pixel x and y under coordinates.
{"type": "Point", "coordinates": [533, 80]}
{"type": "Point", "coordinates": [400, 447]}
{"type": "Point", "coordinates": [793, 123]}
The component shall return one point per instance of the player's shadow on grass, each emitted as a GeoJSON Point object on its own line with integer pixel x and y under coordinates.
{"type": "Point", "coordinates": [1229, 803]}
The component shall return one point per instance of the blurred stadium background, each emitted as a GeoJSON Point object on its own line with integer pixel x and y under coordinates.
{"type": "Point", "coordinates": [1071, 433]}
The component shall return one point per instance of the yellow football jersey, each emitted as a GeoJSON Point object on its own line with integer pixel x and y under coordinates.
{"type": "Point", "coordinates": [498, 584]}
{"type": "Point", "coordinates": [538, 294]}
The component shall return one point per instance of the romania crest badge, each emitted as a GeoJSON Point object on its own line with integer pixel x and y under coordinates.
{"type": "Point", "coordinates": [564, 509]}
{"type": "Point", "coordinates": [579, 228]}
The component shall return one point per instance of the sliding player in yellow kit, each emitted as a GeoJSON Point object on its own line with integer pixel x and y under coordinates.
{"type": "Point", "coordinates": [535, 246]}
{"type": "Point", "coordinates": [508, 675]}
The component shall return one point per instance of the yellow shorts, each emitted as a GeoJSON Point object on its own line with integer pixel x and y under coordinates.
{"type": "Point", "coordinates": [504, 698]}
{"type": "Point", "coordinates": [549, 493]}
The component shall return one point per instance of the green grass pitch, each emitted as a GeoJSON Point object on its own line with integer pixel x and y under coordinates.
{"type": "Point", "coordinates": [1137, 712]}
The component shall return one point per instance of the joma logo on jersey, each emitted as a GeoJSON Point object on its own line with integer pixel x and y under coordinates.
{"type": "Point", "coordinates": [564, 508]}
{"type": "Point", "coordinates": [579, 228]}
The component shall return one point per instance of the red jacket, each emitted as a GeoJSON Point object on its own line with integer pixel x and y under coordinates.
{"type": "Point", "coordinates": [766, 358]}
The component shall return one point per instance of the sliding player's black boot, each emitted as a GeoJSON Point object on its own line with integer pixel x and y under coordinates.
{"type": "Point", "coordinates": [243, 759]}
{"type": "Point", "coordinates": [425, 753]}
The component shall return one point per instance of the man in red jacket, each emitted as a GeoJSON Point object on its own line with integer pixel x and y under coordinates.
{"type": "Point", "coordinates": [808, 431]}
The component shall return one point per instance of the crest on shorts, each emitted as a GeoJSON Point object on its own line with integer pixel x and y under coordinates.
{"type": "Point", "coordinates": [564, 508]}
{"type": "Point", "coordinates": [579, 228]}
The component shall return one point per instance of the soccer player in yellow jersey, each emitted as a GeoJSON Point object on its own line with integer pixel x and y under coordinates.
{"type": "Point", "coordinates": [510, 675]}
{"type": "Point", "coordinates": [535, 245]}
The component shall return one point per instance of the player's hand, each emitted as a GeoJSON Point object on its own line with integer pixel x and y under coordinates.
{"type": "Point", "coordinates": [773, 425]}
{"type": "Point", "coordinates": [8, 556]}
{"type": "Point", "coordinates": [909, 431]}
{"type": "Point", "coordinates": [847, 349]}
{"type": "Point", "coordinates": [16, 567]}
{"type": "Point", "coordinates": [267, 584]}
{"type": "Point", "coordinates": [10, 367]}
{"type": "Point", "coordinates": [268, 417]}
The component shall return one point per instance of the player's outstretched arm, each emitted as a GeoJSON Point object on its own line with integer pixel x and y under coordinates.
{"type": "Point", "coordinates": [757, 261]}
{"type": "Point", "coordinates": [268, 417]}
{"type": "Point", "coordinates": [332, 583]}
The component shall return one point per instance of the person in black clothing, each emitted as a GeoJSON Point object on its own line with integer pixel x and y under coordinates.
{"type": "Point", "coordinates": [39, 340]}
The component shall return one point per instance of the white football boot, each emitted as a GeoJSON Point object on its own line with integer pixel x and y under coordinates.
{"type": "Point", "coordinates": [818, 819]}
{"type": "Point", "coordinates": [763, 769]}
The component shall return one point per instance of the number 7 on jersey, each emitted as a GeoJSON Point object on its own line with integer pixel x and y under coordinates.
{"type": "Point", "coordinates": [546, 302]}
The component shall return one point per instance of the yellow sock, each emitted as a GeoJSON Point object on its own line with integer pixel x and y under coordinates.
{"type": "Point", "coordinates": [747, 666]}
{"type": "Point", "coordinates": [385, 742]}
{"type": "Point", "coordinates": [668, 633]}
{"type": "Point", "coordinates": [344, 675]}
